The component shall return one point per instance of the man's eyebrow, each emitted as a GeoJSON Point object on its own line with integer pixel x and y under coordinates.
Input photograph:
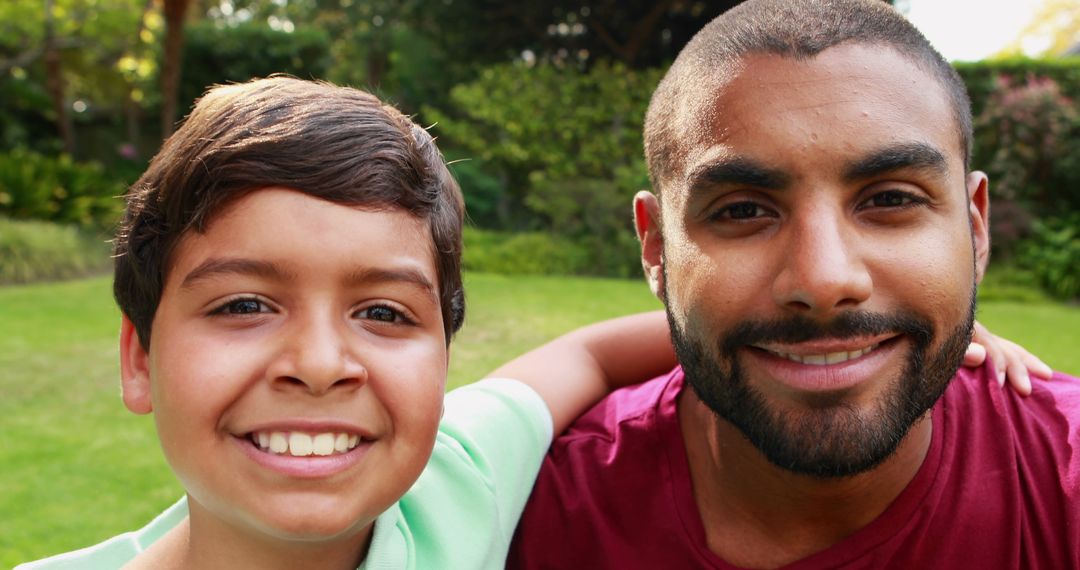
{"type": "Point", "coordinates": [737, 170]}
{"type": "Point", "coordinates": [409, 276]}
{"type": "Point", "coordinates": [920, 156]}
{"type": "Point", "coordinates": [216, 266]}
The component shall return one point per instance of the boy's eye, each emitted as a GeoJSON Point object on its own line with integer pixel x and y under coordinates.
{"type": "Point", "coordinates": [242, 307]}
{"type": "Point", "coordinates": [381, 313]}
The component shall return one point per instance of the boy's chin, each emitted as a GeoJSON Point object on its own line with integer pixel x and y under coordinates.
{"type": "Point", "coordinates": [313, 525]}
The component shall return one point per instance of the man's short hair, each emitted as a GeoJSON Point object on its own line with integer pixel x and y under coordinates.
{"type": "Point", "coordinates": [798, 29]}
{"type": "Point", "coordinates": [333, 143]}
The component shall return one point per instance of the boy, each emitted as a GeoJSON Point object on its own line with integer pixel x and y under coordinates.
{"type": "Point", "coordinates": [289, 273]}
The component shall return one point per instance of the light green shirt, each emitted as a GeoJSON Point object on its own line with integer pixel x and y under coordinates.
{"type": "Point", "coordinates": [460, 513]}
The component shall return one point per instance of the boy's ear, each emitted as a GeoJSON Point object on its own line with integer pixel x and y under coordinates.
{"type": "Point", "coordinates": [134, 370]}
{"type": "Point", "coordinates": [979, 213]}
{"type": "Point", "coordinates": [647, 225]}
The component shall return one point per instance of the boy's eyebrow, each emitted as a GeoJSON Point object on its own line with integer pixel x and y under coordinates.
{"type": "Point", "coordinates": [242, 266]}
{"type": "Point", "coordinates": [232, 265]}
{"type": "Point", "coordinates": [916, 155]}
{"type": "Point", "coordinates": [405, 275]}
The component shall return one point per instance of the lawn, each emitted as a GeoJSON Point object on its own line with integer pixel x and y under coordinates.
{"type": "Point", "coordinates": [77, 467]}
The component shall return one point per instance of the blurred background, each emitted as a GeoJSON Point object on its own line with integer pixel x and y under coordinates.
{"type": "Point", "coordinates": [538, 104]}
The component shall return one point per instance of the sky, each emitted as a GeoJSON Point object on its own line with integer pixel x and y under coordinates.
{"type": "Point", "coordinates": [968, 30]}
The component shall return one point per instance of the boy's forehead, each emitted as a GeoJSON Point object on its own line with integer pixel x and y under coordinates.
{"type": "Point", "coordinates": [292, 230]}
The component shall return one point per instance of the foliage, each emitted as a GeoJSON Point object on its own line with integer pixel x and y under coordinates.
{"type": "Point", "coordinates": [1023, 130]}
{"type": "Point", "coordinates": [105, 50]}
{"type": "Point", "coordinates": [523, 253]}
{"type": "Point", "coordinates": [216, 54]}
{"type": "Point", "coordinates": [1052, 255]}
{"type": "Point", "coordinates": [58, 189]}
{"type": "Point", "coordinates": [565, 143]}
{"type": "Point", "coordinates": [41, 251]}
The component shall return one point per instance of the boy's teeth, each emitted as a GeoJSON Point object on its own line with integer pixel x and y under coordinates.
{"type": "Point", "coordinates": [301, 444]}
{"type": "Point", "coordinates": [323, 444]}
{"type": "Point", "coordinates": [828, 358]}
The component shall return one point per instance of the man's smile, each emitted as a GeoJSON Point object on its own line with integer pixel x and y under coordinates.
{"type": "Point", "coordinates": [823, 352]}
{"type": "Point", "coordinates": [825, 366]}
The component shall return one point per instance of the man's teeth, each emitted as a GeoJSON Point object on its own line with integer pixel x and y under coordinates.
{"type": "Point", "coordinates": [827, 358]}
{"type": "Point", "coordinates": [301, 444]}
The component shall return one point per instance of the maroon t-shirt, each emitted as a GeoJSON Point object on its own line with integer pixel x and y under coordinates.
{"type": "Point", "coordinates": [999, 488]}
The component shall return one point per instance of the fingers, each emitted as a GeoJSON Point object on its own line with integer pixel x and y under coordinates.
{"type": "Point", "coordinates": [975, 355]}
{"type": "Point", "coordinates": [1012, 361]}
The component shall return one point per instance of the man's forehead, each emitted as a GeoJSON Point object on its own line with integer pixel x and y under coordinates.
{"type": "Point", "coordinates": [759, 87]}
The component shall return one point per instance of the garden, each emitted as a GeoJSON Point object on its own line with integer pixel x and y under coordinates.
{"type": "Point", "coordinates": [543, 132]}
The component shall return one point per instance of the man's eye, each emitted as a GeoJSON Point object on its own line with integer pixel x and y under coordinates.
{"type": "Point", "coordinates": [741, 211]}
{"type": "Point", "coordinates": [893, 199]}
{"type": "Point", "coordinates": [242, 307]}
{"type": "Point", "coordinates": [380, 313]}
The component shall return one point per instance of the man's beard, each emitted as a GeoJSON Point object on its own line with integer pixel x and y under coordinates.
{"type": "Point", "coordinates": [828, 438]}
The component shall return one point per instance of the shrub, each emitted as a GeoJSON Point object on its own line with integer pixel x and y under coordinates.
{"type": "Point", "coordinates": [1024, 134]}
{"type": "Point", "coordinates": [565, 144]}
{"type": "Point", "coordinates": [42, 251]}
{"type": "Point", "coordinates": [58, 189]}
{"type": "Point", "coordinates": [1052, 254]}
{"type": "Point", "coordinates": [214, 54]}
{"type": "Point", "coordinates": [532, 253]}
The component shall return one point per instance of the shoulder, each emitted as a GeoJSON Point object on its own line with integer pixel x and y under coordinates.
{"type": "Point", "coordinates": [1039, 431]}
{"type": "Point", "coordinates": [626, 412]}
{"type": "Point", "coordinates": [462, 510]}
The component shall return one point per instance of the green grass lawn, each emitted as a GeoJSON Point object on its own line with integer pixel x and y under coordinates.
{"type": "Point", "coordinates": [78, 468]}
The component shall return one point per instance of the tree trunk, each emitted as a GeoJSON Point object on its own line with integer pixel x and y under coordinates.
{"type": "Point", "coordinates": [170, 68]}
{"type": "Point", "coordinates": [54, 82]}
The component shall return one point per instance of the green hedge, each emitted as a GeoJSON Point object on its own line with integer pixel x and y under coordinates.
{"type": "Point", "coordinates": [58, 189]}
{"type": "Point", "coordinates": [214, 55]}
{"type": "Point", "coordinates": [532, 253]}
{"type": "Point", "coordinates": [41, 251]}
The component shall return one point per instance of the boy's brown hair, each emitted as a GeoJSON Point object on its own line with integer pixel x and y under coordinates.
{"type": "Point", "coordinates": [334, 143]}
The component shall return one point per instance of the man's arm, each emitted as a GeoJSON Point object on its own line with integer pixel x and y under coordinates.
{"type": "Point", "coordinates": [579, 368]}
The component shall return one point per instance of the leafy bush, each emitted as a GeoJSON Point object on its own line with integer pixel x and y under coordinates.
{"type": "Point", "coordinates": [1052, 255]}
{"type": "Point", "coordinates": [215, 55]}
{"type": "Point", "coordinates": [58, 189]}
{"type": "Point", "coordinates": [1024, 134]}
{"type": "Point", "coordinates": [41, 251]}
{"type": "Point", "coordinates": [566, 145]}
{"type": "Point", "coordinates": [526, 253]}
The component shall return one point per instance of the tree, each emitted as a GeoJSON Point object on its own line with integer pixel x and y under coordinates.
{"type": "Point", "coordinates": [175, 11]}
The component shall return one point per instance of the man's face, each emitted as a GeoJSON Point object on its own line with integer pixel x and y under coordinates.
{"type": "Point", "coordinates": [297, 366]}
{"type": "Point", "coordinates": [816, 256]}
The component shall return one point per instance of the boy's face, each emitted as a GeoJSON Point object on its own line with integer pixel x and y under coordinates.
{"type": "Point", "coordinates": [297, 366]}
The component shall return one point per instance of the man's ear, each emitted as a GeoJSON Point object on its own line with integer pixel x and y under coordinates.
{"type": "Point", "coordinates": [647, 225]}
{"type": "Point", "coordinates": [979, 213]}
{"type": "Point", "coordinates": [134, 370]}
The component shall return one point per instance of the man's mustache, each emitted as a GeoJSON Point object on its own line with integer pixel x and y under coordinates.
{"type": "Point", "coordinates": [851, 324]}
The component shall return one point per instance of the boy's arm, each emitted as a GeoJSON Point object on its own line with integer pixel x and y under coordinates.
{"type": "Point", "coordinates": [574, 371]}
{"type": "Point", "coordinates": [577, 369]}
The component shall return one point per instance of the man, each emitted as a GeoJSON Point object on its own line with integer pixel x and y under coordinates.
{"type": "Point", "coordinates": [816, 236]}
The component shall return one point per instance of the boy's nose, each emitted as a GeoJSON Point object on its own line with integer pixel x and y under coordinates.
{"type": "Point", "coordinates": [318, 358]}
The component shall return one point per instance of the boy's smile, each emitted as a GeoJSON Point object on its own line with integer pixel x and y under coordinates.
{"type": "Point", "coordinates": [297, 365]}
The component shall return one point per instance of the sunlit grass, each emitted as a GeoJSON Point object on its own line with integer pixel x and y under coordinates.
{"type": "Point", "coordinates": [78, 468]}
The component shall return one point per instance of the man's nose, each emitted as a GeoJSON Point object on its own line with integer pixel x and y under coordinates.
{"type": "Point", "coordinates": [823, 269]}
{"type": "Point", "coordinates": [318, 355]}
